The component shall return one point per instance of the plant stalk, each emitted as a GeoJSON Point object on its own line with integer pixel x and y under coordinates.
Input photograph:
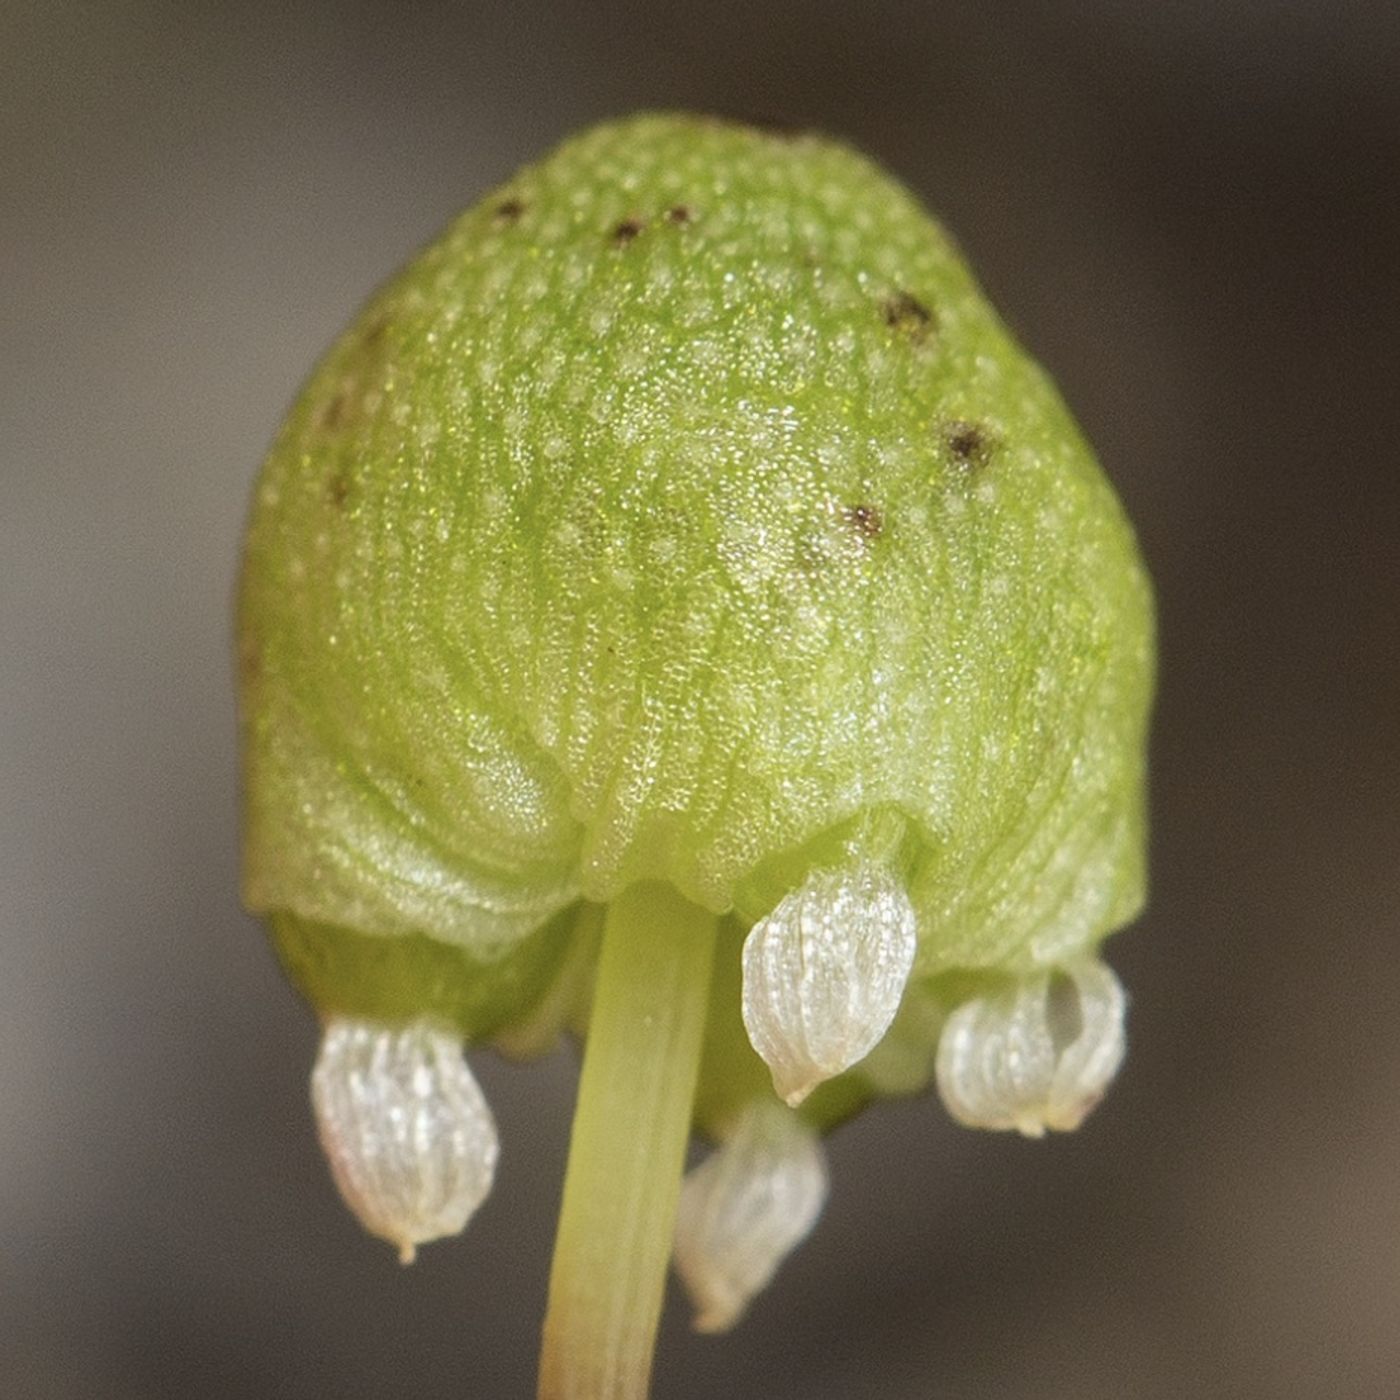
{"type": "Point", "coordinates": [627, 1150]}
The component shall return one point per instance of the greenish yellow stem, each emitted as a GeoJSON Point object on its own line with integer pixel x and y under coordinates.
{"type": "Point", "coordinates": [628, 1147]}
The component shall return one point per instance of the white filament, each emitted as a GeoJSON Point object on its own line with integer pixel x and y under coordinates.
{"type": "Point", "coordinates": [824, 973]}
{"type": "Point", "coordinates": [745, 1208]}
{"type": "Point", "coordinates": [1037, 1055]}
{"type": "Point", "coordinates": [410, 1139]}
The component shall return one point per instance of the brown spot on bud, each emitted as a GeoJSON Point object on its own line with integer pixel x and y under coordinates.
{"type": "Point", "coordinates": [866, 521]}
{"type": "Point", "coordinates": [626, 231]}
{"type": "Point", "coordinates": [679, 214]}
{"type": "Point", "coordinates": [333, 414]}
{"type": "Point", "coordinates": [508, 211]}
{"type": "Point", "coordinates": [905, 313]}
{"type": "Point", "coordinates": [969, 444]}
{"type": "Point", "coordinates": [249, 661]}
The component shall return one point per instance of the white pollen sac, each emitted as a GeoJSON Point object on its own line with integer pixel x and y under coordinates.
{"type": "Point", "coordinates": [824, 974]}
{"type": "Point", "coordinates": [1039, 1054]}
{"type": "Point", "coordinates": [411, 1141]}
{"type": "Point", "coordinates": [745, 1208]}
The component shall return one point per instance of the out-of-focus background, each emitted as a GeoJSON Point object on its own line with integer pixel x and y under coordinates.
{"type": "Point", "coordinates": [1189, 212]}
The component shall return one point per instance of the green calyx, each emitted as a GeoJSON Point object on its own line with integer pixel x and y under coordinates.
{"type": "Point", "coordinates": [684, 514]}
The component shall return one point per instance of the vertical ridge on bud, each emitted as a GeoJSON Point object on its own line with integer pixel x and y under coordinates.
{"type": "Point", "coordinates": [1036, 1055]}
{"type": "Point", "coordinates": [824, 974]}
{"type": "Point", "coordinates": [411, 1141]}
{"type": "Point", "coordinates": [745, 1208]}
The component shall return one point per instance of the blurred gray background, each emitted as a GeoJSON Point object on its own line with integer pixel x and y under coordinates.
{"type": "Point", "coordinates": [1190, 213]}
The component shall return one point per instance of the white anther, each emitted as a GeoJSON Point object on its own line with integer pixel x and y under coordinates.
{"type": "Point", "coordinates": [411, 1141]}
{"type": "Point", "coordinates": [1037, 1055]}
{"type": "Point", "coordinates": [824, 973]}
{"type": "Point", "coordinates": [745, 1208]}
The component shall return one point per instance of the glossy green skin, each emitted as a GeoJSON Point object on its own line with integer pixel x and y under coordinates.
{"type": "Point", "coordinates": [685, 512]}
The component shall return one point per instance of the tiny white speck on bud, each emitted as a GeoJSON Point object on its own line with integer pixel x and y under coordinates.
{"type": "Point", "coordinates": [824, 974]}
{"type": "Point", "coordinates": [1036, 1055]}
{"type": "Point", "coordinates": [745, 1208]}
{"type": "Point", "coordinates": [409, 1136]}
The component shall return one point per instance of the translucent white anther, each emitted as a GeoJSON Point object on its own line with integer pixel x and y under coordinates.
{"type": "Point", "coordinates": [411, 1142]}
{"type": "Point", "coordinates": [823, 975]}
{"type": "Point", "coordinates": [745, 1208]}
{"type": "Point", "coordinates": [1038, 1055]}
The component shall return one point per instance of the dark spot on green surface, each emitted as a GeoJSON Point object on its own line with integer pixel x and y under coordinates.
{"type": "Point", "coordinates": [905, 313]}
{"type": "Point", "coordinates": [969, 444]}
{"type": "Point", "coordinates": [867, 521]}
{"type": "Point", "coordinates": [508, 211]}
{"type": "Point", "coordinates": [626, 231]}
{"type": "Point", "coordinates": [338, 490]}
{"type": "Point", "coordinates": [375, 331]}
{"type": "Point", "coordinates": [679, 214]}
{"type": "Point", "coordinates": [333, 414]}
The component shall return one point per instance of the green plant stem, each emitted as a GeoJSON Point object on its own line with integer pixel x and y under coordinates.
{"type": "Point", "coordinates": [628, 1145]}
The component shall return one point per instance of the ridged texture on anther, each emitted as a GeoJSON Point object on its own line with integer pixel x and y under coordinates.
{"type": "Point", "coordinates": [824, 974]}
{"type": "Point", "coordinates": [411, 1142]}
{"type": "Point", "coordinates": [1036, 1055]}
{"type": "Point", "coordinates": [745, 1208]}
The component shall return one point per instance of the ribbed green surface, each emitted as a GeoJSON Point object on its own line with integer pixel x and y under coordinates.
{"type": "Point", "coordinates": [682, 513]}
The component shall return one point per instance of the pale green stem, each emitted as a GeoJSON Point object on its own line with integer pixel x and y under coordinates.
{"type": "Point", "coordinates": [627, 1151]}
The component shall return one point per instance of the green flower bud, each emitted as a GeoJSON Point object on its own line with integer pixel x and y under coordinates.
{"type": "Point", "coordinates": [685, 515]}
